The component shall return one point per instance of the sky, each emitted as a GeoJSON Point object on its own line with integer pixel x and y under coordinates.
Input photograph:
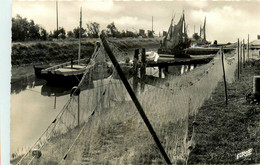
{"type": "Point", "coordinates": [226, 21]}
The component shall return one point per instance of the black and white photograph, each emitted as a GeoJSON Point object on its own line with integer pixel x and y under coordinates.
{"type": "Point", "coordinates": [134, 82]}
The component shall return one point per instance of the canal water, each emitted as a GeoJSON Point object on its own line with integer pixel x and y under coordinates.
{"type": "Point", "coordinates": [34, 104]}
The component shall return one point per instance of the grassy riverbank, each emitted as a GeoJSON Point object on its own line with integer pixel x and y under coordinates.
{"type": "Point", "coordinates": [224, 131]}
{"type": "Point", "coordinates": [26, 54]}
{"type": "Point", "coordinates": [57, 51]}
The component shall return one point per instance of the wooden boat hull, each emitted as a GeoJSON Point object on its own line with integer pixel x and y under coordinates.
{"type": "Point", "coordinates": [178, 53]}
{"type": "Point", "coordinates": [205, 51]}
{"type": "Point", "coordinates": [38, 69]}
{"type": "Point", "coordinates": [65, 74]}
{"type": "Point", "coordinates": [62, 80]}
{"type": "Point", "coordinates": [167, 61]}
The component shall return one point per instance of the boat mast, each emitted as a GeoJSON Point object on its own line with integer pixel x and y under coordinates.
{"type": "Point", "coordinates": [152, 25]}
{"type": "Point", "coordinates": [57, 19]}
{"type": "Point", "coordinates": [204, 29]}
{"type": "Point", "coordinates": [80, 24]}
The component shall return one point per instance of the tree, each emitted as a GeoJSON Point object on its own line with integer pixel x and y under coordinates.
{"type": "Point", "coordinates": [70, 34]}
{"type": "Point", "coordinates": [93, 29]}
{"type": "Point", "coordinates": [111, 29]}
{"type": "Point", "coordinates": [20, 27]}
{"type": "Point", "coordinates": [34, 31]}
{"type": "Point", "coordinates": [43, 34]}
{"type": "Point", "coordinates": [23, 30]}
{"type": "Point", "coordinates": [76, 32]}
{"type": "Point", "coordinates": [123, 34]}
{"type": "Point", "coordinates": [61, 33]}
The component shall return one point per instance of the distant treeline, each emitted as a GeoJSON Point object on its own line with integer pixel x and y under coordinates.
{"type": "Point", "coordinates": [24, 30]}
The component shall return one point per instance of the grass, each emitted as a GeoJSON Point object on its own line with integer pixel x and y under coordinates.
{"type": "Point", "coordinates": [58, 51]}
{"type": "Point", "coordinates": [224, 131]}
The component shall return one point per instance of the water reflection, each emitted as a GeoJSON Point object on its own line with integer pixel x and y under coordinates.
{"type": "Point", "coordinates": [33, 111]}
{"type": "Point", "coordinates": [164, 72]}
{"type": "Point", "coordinates": [23, 84]}
{"type": "Point", "coordinates": [50, 90]}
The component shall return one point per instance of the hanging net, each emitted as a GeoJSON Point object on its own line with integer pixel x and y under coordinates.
{"type": "Point", "coordinates": [101, 125]}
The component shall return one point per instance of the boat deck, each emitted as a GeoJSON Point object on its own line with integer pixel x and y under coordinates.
{"type": "Point", "coordinates": [69, 70]}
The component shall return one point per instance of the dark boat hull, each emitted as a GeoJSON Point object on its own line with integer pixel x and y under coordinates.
{"type": "Point", "coordinates": [174, 52]}
{"type": "Point", "coordinates": [38, 69]}
{"type": "Point", "coordinates": [62, 80]}
{"type": "Point", "coordinates": [205, 51]}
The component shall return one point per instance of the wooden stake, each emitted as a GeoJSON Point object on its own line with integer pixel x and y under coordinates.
{"type": "Point", "coordinates": [143, 60]}
{"type": "Point", "coordinates": [248, 48]}
{"type": "Point", "coordinates": [78, 111]}
{"type": "Point", "coordinates": [224, 75]}
{"type": "Point", "coordinates": [135, 82]}
{"type": "Point", "coordinates": [241, 56]}
{"type": "Point", "coordinates": [160, 71]}
{"type": "Point", "coordinates": [244, 56]}
{"type": "Point", "coordinates": [238, 58]}
{"type": "Point", "coordinates": [55, 102]}
{"type": "Point", "coordinates": [134, 98]}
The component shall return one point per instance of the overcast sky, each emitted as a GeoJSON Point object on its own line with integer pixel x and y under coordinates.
{"type": "Point", "coordinates": [226, 21]}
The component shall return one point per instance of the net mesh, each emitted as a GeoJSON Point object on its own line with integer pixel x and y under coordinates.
{"type": "Point", "coordinates": [102, 125]}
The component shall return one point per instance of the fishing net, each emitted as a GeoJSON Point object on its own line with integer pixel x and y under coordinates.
{"type": "Point", "coordinates": [101, 125]}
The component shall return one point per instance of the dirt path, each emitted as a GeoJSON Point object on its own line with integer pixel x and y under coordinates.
{"type": "Point", "coordinates": [225, 131]}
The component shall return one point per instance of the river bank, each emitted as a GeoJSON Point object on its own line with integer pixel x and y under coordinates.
{"type": "Point", "coordinates": [26, 54]}
{"type": "Point", "coordinates": [223, 131]}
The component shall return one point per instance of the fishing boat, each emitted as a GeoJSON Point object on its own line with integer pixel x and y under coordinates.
{"type": "Point", "coordinates": [70, 73]}
{"type": "Point", "coordinates": [201, 47]}
{"type": "Point", "coordinates": [39, 68]}
{"type": "Point", "coordinates": [176, 40]}
{"type": "Point", "coordinates": [67, 73]}
{"type": "Point", "coordinates": [199, 50]}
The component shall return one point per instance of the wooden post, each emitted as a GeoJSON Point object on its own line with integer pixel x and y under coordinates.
{"type": "Point", "coordinates": [248, 48]}
{"type": "Point", "coordinates": [160, 71]}
{"type": "Point", "coordinates": [136, 55]}
{"type": "Point", "coordinates": [244, 56]}
{"type": "Point", "coordinates": [55, 102]}
{"type": "Point", "coordinates": [241, 57]}
{"type": "Point", "coordinates": [134, 98]}
{"type": "Point", "coordinates": [75, 91]}
{"type": "Point", "coordinates": [238, 58]}
{"type": "Point", "coordinates": [143, 60]}
{"type": "Point", "coordinates": [135, 82]}
{"type": "Point", "coordinates": [143, 69]}
{"type": "Point", "coordinates": [78, 111]}
{"type": "Point", "coordinates": [166, 71]}
{"type": "Point", "coordinates": [224, 76]}
{"type": "Point", "coordinates": [256, 87]}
